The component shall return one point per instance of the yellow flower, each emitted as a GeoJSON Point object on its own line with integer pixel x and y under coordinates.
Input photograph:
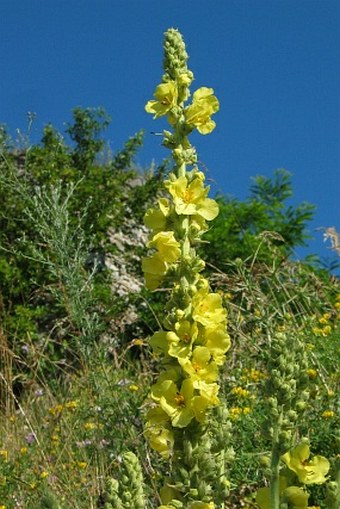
{"type": "Point", "coordinates": [180, 342]}
{"type": "Point", "coordinates": [176, 403]}
{"type": "Point", "coordinates": [217, 340]}
{"type": "Point", "coordinates": [89, 426]}
{"type": "Point", "coordinates": [199, 112]}
{"type": "Point", "coordinates": [312, 373]}
{"type": "Point", "coordinates": [133, 388]}
{"type": "Point", "coordinates": [296, 497]}
{"type": "Point", "coordinates": [71, 405]}
{"type": "Point", "coordinates": [327, 414]}
{"type": "Point", "coordinates": [190, 198]}
{"type": "Point", "coordinates": [160, 439]}
{"type": "Point", "coordinates": [82, 464]}
{"type": "Point", "coordinates": [137, 342]}
{"type": "Point", "coordinates": [207, 308]}
{"type": "Point", "coordinates": [155, 219]}
{"type": "Point", "coordinates": [159, 343]}
{"type": "Point", "coordinates": [326, 330]}
{"type": "Point", "coordinates": [168, 247]}
{"type": "Point", "coordinates": [252, 375]}
{"type": "Point", "coordinates": [4, 454]}
{"type": "Point", "coordinates": [235, 412]}
{"type": "Point", "coordinates": [23, 450]}
{"type": "Point", "coordinates": [325, 318]}
{"type": "Point", "coordinates": [166, 95]}
{"type": "Point", "coordinates": [239, 391]}
{"type": "Point", "coordinates": [56, 410]}
{"type": "Point", "coordinates": [158, 433]}
{"type": "Point", "coordinates": [43, 474]}
{"type": "Point", "coordinates": [308, 472]}
{"type": "Point", "coordinates": [200, 367]}
{"type": "Point", "coordinates": [154, 269]}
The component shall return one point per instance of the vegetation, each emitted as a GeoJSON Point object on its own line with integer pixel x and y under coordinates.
{"type": "Point", "coordinates": [76, 319]}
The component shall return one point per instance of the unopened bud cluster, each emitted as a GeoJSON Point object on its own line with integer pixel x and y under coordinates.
{"type": "Point", "coordinates": [286, 387]}
{"type": "Point", "coordinates": [129, 492]}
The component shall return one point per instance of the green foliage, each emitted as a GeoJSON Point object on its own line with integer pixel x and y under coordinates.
{"type": "Point", "coordinates": [84, 132]}
{"type": "Point", "coordinates": [59, 206]}
{"type": "Point", "coordinates": [243, 228]}
{"type": "Point", "coordinates": [71, 306]}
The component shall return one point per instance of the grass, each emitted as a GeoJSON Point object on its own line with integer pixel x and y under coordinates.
{"type": "Point", "coordinates": [67, 435]}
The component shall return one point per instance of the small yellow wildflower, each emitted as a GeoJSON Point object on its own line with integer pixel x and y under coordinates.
{"type": "Point", "coordinates": [71, 405]}
{"type": "Point", "coordinates": [23, 450]}
{"type": "Point", "coordinates": [56, 410]}
{"type": "Point", "coordinates": [4, 454]}
{"type": "Point", "coordinates": [55, 438]}
{"type": "Point", "coordinates": [326, 330]}
{"type": "Point", "coordinates": [137, 342]}
{"type": "Point", "coordinates": [239, 391]}
{"type": "Point", "coordinates": [235, 412]}
{"type": "Point", "coordinates": [2, 507]}
{"type": "Point", "coordinates": [325, 318]}
{"type": "Point", "coordinates": [253, 375]}
{"type": "Point", "coordinates": [43, 474]}
{"type": "Point", "coordinates": [133, 388]}
{"type": "Point", "coordinates": [90, 426]}
{"type": "Point", "coordinates": [246, 410]}
{"type": "Point", "coordinates": [312, 373]}
{"type": "Point", "coordinates": [33, 485]}
{"type": "Point", "coordinates": [82, 464]}
{"type": "Point", "coordinates": [327, 414]}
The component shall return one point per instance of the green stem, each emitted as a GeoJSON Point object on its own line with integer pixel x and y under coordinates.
{"type": "Point", "coordinates": [275, 470]}
{"type": "Point", "coordinates": [181, 170]}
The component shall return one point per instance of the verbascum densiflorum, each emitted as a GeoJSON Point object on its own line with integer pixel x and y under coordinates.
{"type": "Point", "coordinates": [287, 396]}
{"type": "Point", "coordinates": [193, 341]}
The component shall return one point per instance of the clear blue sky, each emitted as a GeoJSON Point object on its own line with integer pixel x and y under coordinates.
{"type": "Point", "coordinates": [274, 65]}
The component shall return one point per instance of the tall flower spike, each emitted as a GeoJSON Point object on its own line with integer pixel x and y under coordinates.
{"type": "Point", "coordinates": [192, 344]}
